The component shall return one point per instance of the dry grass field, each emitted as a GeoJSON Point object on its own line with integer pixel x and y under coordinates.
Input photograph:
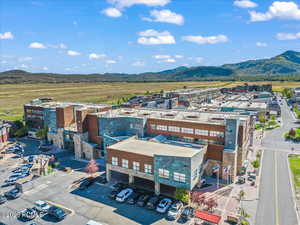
{"type": "Point", "coordinates": [13, 96]}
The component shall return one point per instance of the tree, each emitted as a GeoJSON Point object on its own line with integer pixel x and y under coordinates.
{"type": "Point", "coordinates": [243, 215]}
{"type": "Point", "coordinates": [92, 167]}
{"type": "Point", "coordinates": [198, 198]}
{"type": "Point", "coordinates": [255, 164]}
{"type": "Point", "coordinates": [42, 133]}
{"type": "Point", "coordinates": [182, 195]}
{"type": "Point", "coordinates": [211, 204]}
{"type": "Point", "coordinates": [21, 132]}
{"type": "Point", "coordinates": [262, 118]}
{"type": "Point", "coordinates": [292, 132]}
{"type": "Point", "coordinates": [241, 195]}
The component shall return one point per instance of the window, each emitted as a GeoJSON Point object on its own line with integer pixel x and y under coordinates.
{"type": "Point", "coordinates": [125, 163]}
{"type": "Point", "coordinates": [180, 177]}
{"type": "Point", "coordinates": [152, 126]}
{"type": "Point", "coordinates": [174, 129]}
{"type": "Point", "coordinates": [216, 134]}
{"type": "Point", "coordinates": [163, 173]}
{"type": "Point", "coordinates": [201, 132]}
{"type": "Point", "coordinates": [195, 174]}
{"type": "Point", "coordinates": [187, 130]}
{"type": "Point", "coordinates": [162, 127]}
{"type": "Point", "coordinates": [114, 161]}
{"type": "Point", "coordinates": [136, 166]}
{"type": "Point", "coordinates": [148, 168]}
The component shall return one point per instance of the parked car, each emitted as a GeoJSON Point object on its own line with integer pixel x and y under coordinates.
{"type": "Point", "coordinates": [28, 214]}
{"type": "Point", "coordinates": [15, 176]}
{"type": "Point", "coordinates": [13, 194]}
{"type": "Point", "coordinates": [175, 210]}
{"type": "Point", "coordinates": [124, 194]}
{"type": "Point", "coordinates": [164, 205]}
{"type": "Point", "coordinates": [120, 186]}
{"type": "Point", "coordinates": [143, 200]}
{"type": "Point", "coordinates": [113, 193]}
{"type": "Point", "coordinates": [102, 180]}
{"type": "Point", "coordinates": [86, 183]}
{"type": "Point", "coordinates": [31, 158]}
{"type": "Point", "coordinates": [41, 206]}
{"type": "Point", "coordinates": [28, 165]}
{"type": "Point", "coordinates": [241, 180]}
{"type": "Point", "coordinates": [152, 203]}
{"type": "Point", "coordinates": [57, 213]}
{"type": "Point", "coordinates": [187, 214]}
{"type": "Point", "coordinates": [133, 198]}
{"type": "Point", "coordinates": [3, 199]}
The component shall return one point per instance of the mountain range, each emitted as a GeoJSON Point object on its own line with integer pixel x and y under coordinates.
{"type": "Point", "coordinates": [285, 64]}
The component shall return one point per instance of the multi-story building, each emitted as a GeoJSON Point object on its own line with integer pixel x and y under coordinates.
{"type": "Point", "coordinates": [296, 95]}
{"type": "Point", "coordinates": [164, 147]}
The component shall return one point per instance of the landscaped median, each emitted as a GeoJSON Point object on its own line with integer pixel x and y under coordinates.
{"type": "Point", "coordinates": [293, 134]}
{"type": "Point", "coordinates": [294, 162]}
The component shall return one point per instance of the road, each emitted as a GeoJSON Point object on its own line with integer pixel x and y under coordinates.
{"type": "Point", "coordinates": [276, 202]}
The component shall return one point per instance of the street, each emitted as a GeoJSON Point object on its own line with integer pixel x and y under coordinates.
{"type": "Point", "coordinates": [276, 201]}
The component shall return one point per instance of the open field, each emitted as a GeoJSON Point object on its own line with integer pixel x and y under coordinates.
{"type": "Point", "coordinates": [13, 96]}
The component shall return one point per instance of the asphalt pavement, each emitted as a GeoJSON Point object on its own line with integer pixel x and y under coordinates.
{"type": "Point", "coordinates": [276, 201]}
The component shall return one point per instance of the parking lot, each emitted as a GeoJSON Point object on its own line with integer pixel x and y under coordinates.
{"type": "Point", "coordinates": [59, 188]}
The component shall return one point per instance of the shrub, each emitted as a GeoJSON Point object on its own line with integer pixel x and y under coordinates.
{"type": "Point", "coordinates": [182, 195]}
{"type": "Point", "coordinates": [255, 164]}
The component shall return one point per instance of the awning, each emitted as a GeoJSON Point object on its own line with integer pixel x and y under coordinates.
{"type": "Point", "coordinates": [206, 216]}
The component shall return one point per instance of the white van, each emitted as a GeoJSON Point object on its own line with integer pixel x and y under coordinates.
{"type": "Point", "coordinates": [124, 194]}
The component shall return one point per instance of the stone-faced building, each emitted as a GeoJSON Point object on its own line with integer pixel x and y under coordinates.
{"type": "Point", "coordinates": [4, 133]}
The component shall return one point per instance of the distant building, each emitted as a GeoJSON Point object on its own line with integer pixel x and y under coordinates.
{"type": "Point", "coordinates": [4, 133]}
{"type": "Point", "coordinates": [296, 94]}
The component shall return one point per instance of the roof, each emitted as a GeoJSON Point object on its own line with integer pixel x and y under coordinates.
{"type": "Point", "coordinates": [212, 218]}
{"type": "Point", "coordinates": [151, 149]}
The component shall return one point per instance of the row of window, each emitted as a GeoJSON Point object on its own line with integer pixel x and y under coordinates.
{"type": "Point", "coordinates": [135, 165]}
{"type": "Point", "coordinates": [32, 116]}
{"type": "Point", "coordinates": [187, 130]}
{"type": "Point", "coordinates": [179, 177]}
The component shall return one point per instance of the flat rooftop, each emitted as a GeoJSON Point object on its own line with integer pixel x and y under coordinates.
{"type": "Point", "coordinates": [194, 116]}
{"type": "Point", "coordinates": [151, 149]}
{"type": "Point", "coordinates": [55, 104]}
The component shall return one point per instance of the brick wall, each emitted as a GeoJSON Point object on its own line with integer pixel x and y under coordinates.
{"type": "Point", "coordinates": [142, 159]}
{"type": "Point", "coordinates": [214, 152]}
{"type": "Point", "coordinates": [209, 127]}
{"type": "Point", "coordinates": [64, 116]}
{"type": "Point", "coordinates": [93, 129]}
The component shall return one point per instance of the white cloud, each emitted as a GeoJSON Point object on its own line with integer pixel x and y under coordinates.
{"type": "Point", "coordinates": [6, 36]}
{"type": "Point", "coordinates": [45, 68]}
{"type": "Point", "coordinates": [206, 40]}
{"type": "Point", "coordinates": [179, 56]}
{"type": "Point", "coordinates": [60, 45]}
{"type": "Point", "coordinates": [278, 10]}
{"type": "Point", "coordinates": [73, 53]}
{"type": "Point", "coordinates": [288, 36]}
{"type": "Point", "coordinates": [25, 59]}
{"type": "Point", "coordinates": [37, 45]}
{"type": "Point", "coordinates": [96, 56]}
{"type": "Point", "coordinates": [161, 56]}
{"type": "Point", "coordinates": [261, 44]}
{"type": "Point", "coordinates": [24, 66]}
{"type": "Point", "coordinates": [110, 61]}
{"type": "Point", "coordinates": [199, 59]}
{"type": "Point", "coordinates": [169, 60]}
{"type": "Point", "coordinates": [129, 3]}
{"type": "Point", "coordinates": [153, 37]}
{"type": "Point", "coordinates": [138, 63]}
{"type": "Point", "coordinates": [112, 12]}
{"type": "Point", "coordinates": [245, 4]}
{"type": "Point", "coordinates": [165, 16]}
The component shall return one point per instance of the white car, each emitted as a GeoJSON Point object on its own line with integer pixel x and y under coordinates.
{"type": "Point", "coordinates": [164, 205]}
{"type": "Point", "coordinates": [41, 206]}
{"type": "Point", "coordinates": [124, 194]}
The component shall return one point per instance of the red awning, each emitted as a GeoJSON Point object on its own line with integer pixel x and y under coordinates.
{"type": "Point", "coordinates": [207, 216]}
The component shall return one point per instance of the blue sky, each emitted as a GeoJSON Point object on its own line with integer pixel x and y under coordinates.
{"type": "Point", "coordinates": [132, 36]}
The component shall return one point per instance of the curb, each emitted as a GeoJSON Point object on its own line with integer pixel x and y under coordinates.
{"type": "Point", "coordinates": [292, 186]}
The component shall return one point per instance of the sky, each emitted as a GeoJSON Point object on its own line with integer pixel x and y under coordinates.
{"type": "Point", "coordinates": [135, 36]}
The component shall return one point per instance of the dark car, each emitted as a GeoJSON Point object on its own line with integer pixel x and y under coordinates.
{"type": "Point", "coordinates": [113, 194]}
{"type": "Point", "coordinates": [3, 199]}
{"type": "Point", "coordinates": [28, 214]}
{"type": "Point", "coordinates": [13, 194]}
{"type": "Point", "coordinates": [57, 213]}
{"type": "Point", "coordinates": [120, 186]}
{"type": "Point", "coordinates": [86, 183]}
{"type": "Point", "coordinates": [152, 203]}
{"type": "Point", "coordinates": [143, 200]}
{"type": "Point", "coordinates": [133, 198]}
{"type": "Point", "coordinates": [102, 180]}
{"type": "Point", "coordinates": [187, 214]}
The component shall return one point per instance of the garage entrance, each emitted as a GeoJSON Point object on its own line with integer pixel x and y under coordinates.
{"type": "Point", "coordinates": [119, 177]}
{"type": "Point", "coordinates": [144, 184]}
{"type": "Point", "coordinates": [167, 190]}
